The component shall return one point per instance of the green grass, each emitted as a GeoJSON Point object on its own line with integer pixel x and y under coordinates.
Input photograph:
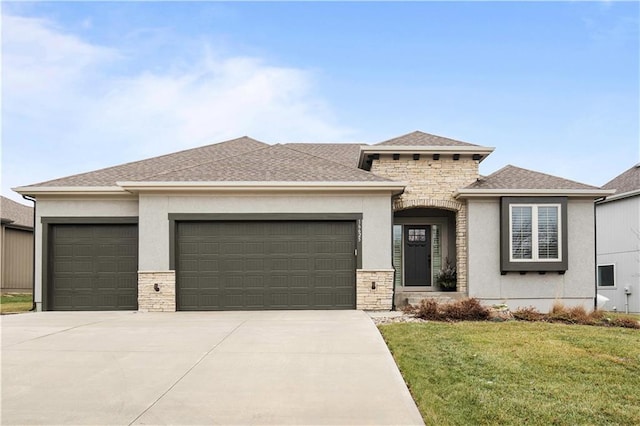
{"type": "Point", "coordinates": [12, 303]}
{"type": "Point", "coordinates": [519, 373]}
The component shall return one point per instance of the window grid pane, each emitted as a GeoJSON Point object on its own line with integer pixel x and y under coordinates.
{"type": "Point", "coordinates": [547, 232]}
{"type": "Point", "coordinates": [521, 232]}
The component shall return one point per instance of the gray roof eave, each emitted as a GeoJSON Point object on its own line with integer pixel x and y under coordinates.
{"type": "Point", "coordinates": [574, 193]}
{"type": "Point", "coordinates": [620, 196]}
{"type": "Point", "coordinates": [265, 186]}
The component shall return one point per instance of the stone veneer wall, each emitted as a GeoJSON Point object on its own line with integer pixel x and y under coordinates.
{"type": "Point", "coordinates": [431, 183]}
{"type": "Point", "coordinates": [150, 300]}
{"type": "Point", "coordinates": [377, 299]}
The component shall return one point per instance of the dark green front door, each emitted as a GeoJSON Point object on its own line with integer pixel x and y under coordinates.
{"type": "Point", "coordinates": [243, 265]}
{"type": "Point", "coordinates": [93, 267]}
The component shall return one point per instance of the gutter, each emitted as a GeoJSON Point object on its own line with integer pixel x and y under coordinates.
{"type": "Point", "coordinates": [479, 193]}
{"type": "Point", "coordinates": [33, 256]}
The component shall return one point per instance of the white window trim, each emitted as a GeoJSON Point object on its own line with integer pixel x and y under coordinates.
{"type": "Point", "coordinates": [534, 233]}
{"type": "Point", "coordinates": [615, 278]}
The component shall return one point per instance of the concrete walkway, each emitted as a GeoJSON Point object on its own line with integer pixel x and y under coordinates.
{"type": "Point", "coordinates": [277, 367]}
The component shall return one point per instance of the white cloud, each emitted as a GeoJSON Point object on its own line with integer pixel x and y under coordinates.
{"type": "Point", "coordinates": [66, 111]}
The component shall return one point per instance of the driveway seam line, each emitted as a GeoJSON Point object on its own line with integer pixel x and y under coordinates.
{"type": "Point", "coordinates": [186, 372]}
{"type": "Point", "coordinates": [55, 332]}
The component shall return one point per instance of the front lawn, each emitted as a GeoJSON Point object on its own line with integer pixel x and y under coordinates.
{"type": "Point", "coordinates": [12, 303]}
{"type": "Point", "coordinates": [519, 372]}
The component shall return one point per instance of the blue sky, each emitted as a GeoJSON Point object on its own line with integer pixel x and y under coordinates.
{"type": "Point", "coordinates": [554, 86]}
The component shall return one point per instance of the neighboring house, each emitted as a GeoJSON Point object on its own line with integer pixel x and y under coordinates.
{"type": "Point", "coordinates": [618, 242]}
{"type": "Point", "coordinates": [16, 245]}
{"type": "Point", "coordinates": [246, 225]}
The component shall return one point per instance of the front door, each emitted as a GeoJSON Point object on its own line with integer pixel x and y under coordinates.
{"type": "Point", "coordinates": [417, 255]}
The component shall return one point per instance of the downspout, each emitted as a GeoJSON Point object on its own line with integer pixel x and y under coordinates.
{"type": "Point", "coordinates": [33, 256]}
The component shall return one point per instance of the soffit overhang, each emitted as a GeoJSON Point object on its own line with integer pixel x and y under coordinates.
{"type": "Point", "coordinates": [366, 152]}
{"type": "Point", "coordinates": [493, 193]}
{"type": "Point", "coordinates": [259, 186]}
{"type": "Point", "coordinates": [130, 188]}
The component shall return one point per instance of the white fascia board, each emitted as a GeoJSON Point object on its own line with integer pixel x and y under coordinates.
{"type": "Point", "coordinates": [233, 186]}
{"type": "Point", "coordinates": [479, 193]}
{"type": "Point", "coordinates": [412, 149]}
{"type": "Point", "coordinates": [70, 190]}
{"type": "Point", "coordinates": [620, 196]}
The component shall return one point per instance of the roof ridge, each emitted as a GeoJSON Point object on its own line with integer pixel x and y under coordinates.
{"type": "Point", "coordinates": [179, 169]}
{"type": "Point", "coordinates": [332, 161]}
{"type": "Point", "coordinates": [421, 133]}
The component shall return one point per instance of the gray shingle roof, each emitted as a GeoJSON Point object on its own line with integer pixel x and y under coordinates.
{"type": "Point", "coordinates": [140, 170]}
{"type": "Point", "coordinates": [343, 153]}
{"type": "Point", "coordinates": [418, 138]}
{"type": "Point", "coordinates": [16, 213]}
{"type": "Point", "coordinates": [276, 163]}
{"type": "Point", "coordinates": [512, 177]}
{"type": "Point", "coordinates": [626, 182]}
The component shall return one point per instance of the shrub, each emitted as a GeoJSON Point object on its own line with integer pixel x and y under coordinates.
{"type": "Point", "coordinates": [626, 322]}
{"type": "Point", "coordinates": [461, 310]}
{"type": "Point", "coordinates": [573, 315]}
{"type": "Point", "coordinates": [427, 310]}
{"type": "Point", "coordinates": [469, 309]}
{"type": "Point", "coordinates": [528, 314]}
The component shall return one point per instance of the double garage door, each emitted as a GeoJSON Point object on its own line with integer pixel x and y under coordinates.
{"type": "Point", "coordinates": [243, 265]}
{"type": "Point", "coordinates": [222, 265]}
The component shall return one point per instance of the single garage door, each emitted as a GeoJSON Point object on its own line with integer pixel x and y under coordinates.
{"type": "Point", "coordinates": [243, 265]}
{"type": "Point", "coordinates": [93, 267]}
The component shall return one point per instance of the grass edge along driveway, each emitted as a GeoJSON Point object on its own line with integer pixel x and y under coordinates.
{"type": "Point", "coordinates": [518, 372]}
{"type": "Point", "coordinates": [11, 303]}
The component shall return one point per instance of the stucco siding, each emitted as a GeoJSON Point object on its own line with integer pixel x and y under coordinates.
{"type": "Point", "coordinates": [52, 207]}
{"type": "Point", "coordinates": [155, 209]}
{"type": "Point", "coordinates": [575, 287]}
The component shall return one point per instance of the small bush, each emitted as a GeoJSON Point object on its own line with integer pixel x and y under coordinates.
{"type": "Point", "coordinates": [625, 322]}
{"type": "Point", "coordinates": [573, 315]}
{"type": "Point", "coordinates": [469, 309]}
{"type": "Point", "coordinates": [528, 314]}
{"type": "Point", "coordinates": [460, 310]}
{"type": "Point", "coordinates": [427, 310]}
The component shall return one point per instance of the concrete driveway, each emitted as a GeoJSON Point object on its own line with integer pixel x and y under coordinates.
{"type": "Point", "coordinates": [277, 367]}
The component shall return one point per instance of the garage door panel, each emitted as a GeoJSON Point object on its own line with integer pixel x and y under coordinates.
{"type": "Point", "coordinates": [266, 265]}
{"type": "Point", "coordinates": [93, 267]}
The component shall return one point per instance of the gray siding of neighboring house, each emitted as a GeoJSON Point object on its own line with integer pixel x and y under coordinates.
{"type": "Point", "coordinates": [619, 244]}
{"type": "Point", "coordinates": [575, 288]}
{"type": "Point", "coordinates": [17, 260]}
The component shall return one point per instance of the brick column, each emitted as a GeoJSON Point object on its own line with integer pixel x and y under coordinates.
{"type": "Point", "coordinates": [161, 300]}
{"type": "Point", "coordinates": [461, 248]}
{"type": "Point", "coordinates": [379, 298]}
